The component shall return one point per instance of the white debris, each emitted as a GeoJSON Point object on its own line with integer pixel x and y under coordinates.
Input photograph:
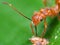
{"type": "Point", "coordinates": [39, 41]}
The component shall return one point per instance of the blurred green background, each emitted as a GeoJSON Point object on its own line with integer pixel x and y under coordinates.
{"type": "Point", "coordinates": [15, 29]}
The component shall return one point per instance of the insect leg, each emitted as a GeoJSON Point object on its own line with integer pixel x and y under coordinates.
{"type": "Point", "coordinates": [32, 29]}
{"type": "Point", "coordinates": [45, 2]}
{"type": "Point", "coordinates": [45, 27]}
{"type": "Point", "coordinates": [58, 16]}
{"type": "Point", "coordinates": [33, 32]}
{"type": "Point", "coordinates": [36, 30]}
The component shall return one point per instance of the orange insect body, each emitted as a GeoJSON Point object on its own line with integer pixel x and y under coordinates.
{"type": "Point", "coordinates": [43, 13]}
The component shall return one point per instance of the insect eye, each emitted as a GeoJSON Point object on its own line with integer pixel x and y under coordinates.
{"type": "Point", "coordinates": [41, 19]}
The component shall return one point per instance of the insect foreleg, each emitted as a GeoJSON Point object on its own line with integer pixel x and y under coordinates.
{"type": "Point", "coordinates": [33, 32]}
{"type": "Point", "coordinates": [45, 27]}
{"type": "Point", "coordinates": [32, 28]}
{"type": "Point", "coordinates": [36, 29]}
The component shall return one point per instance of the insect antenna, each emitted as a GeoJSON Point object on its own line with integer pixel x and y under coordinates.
{"type": "Point", "coordinates": [10, 5]}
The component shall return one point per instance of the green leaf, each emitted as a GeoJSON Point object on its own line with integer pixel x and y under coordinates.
{"type": "Point", "coordinates": [15, 29]}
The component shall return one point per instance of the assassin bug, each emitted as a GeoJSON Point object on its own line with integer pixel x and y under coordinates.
{"type": "Point", "coordinates": [33, 17]}
{"type": "Point", "coordinates": [41, 15]}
